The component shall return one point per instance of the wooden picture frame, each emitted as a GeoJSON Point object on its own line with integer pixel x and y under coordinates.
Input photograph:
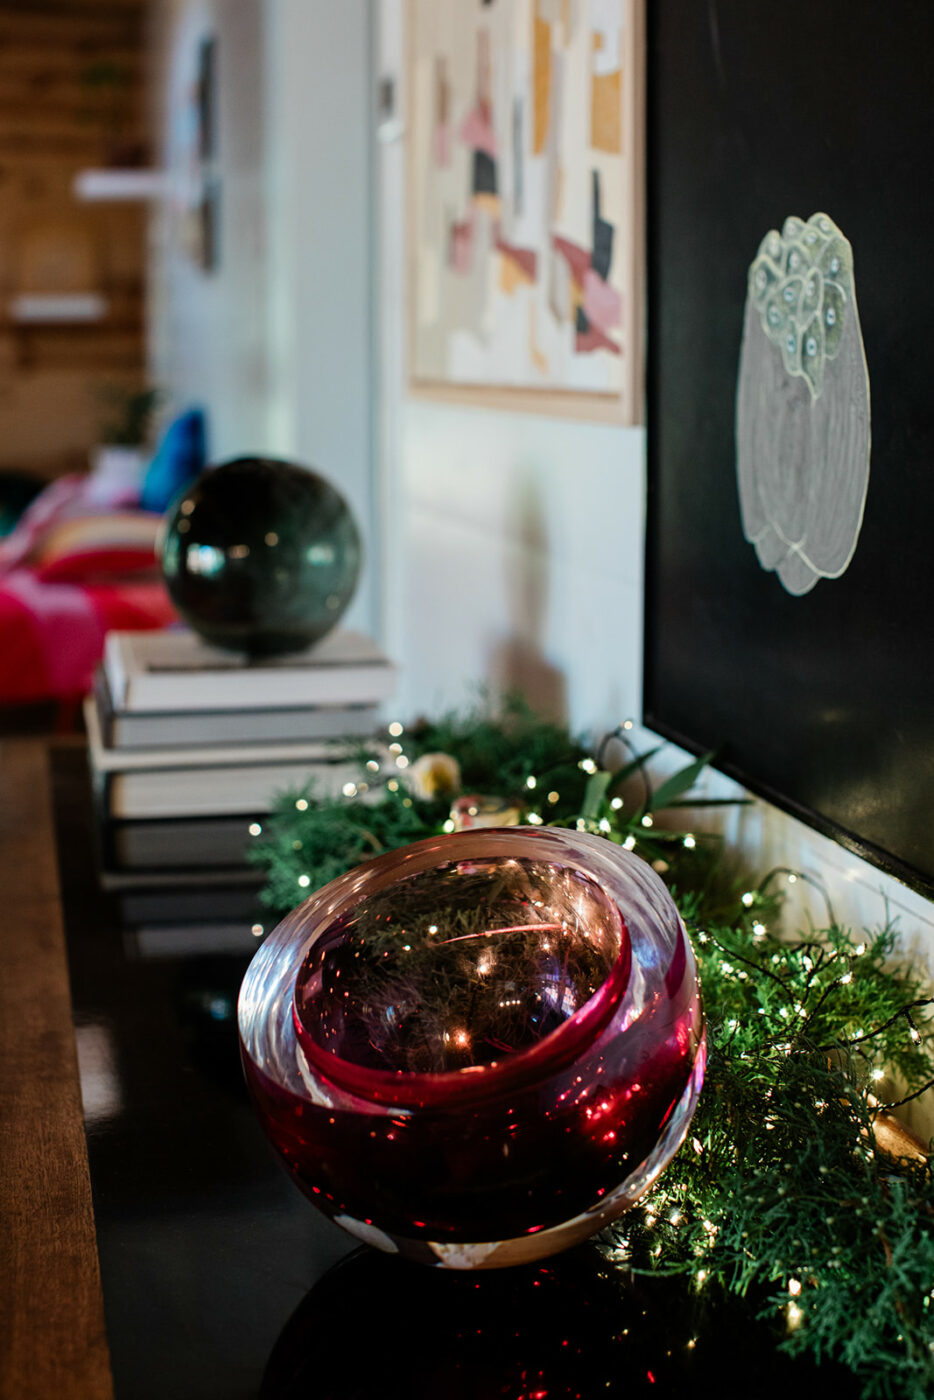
{"type": "Point", "coordinates": [525, 137]}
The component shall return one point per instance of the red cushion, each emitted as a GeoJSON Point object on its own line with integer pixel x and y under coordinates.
{"type": "Point", "coordinates": [93, 565]}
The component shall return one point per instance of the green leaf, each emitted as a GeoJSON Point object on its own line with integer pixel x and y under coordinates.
{"type": "Point", "coordinates": [594, 793]}
{"type": "Point", "coordinates": [638, 762]}
{"type": "Point", "coordinates": [679, 782]}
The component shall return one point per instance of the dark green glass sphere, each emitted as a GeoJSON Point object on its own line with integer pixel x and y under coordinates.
{"type": "Point", "coordinates": [261, 556]}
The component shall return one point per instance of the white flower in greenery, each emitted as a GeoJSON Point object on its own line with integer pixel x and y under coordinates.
{"type": "Point", "coordinates": [434, 775]}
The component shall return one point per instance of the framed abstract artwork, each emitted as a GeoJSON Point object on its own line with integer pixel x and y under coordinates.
{"type": "Point", "coordinates": [789, 565]}
{"type": "Point", "coordinates": [525, 204]}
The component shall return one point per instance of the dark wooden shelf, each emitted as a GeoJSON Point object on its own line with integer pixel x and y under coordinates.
{"type": "Point", "coordinates": [51, 1306]}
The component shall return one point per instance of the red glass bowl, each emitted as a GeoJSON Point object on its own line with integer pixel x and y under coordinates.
{"type": "Point", "coordinates": [479, 1049]}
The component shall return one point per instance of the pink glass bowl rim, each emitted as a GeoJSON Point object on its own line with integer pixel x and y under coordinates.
{"type": "Point", "coordinates": [552, 1053]}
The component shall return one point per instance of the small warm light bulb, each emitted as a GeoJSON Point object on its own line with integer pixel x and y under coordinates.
{"type": "Point", "coordinates": [859, 950]}
{"type": "Point", "coordinates": [792, 879]}
{"type": "Point", "coordinates": [627, 723]}
{"type": "Point", "coordinates": [304, 881]}
{"type": "Point", "coordinates": [794, 1287]}
{"type": "Point", "coordinates": [554, 797]}
{"type": "Point", "coordinates": [588, 765]}
{"type": "Point", "coordinates": [748, 898]}
{"type": "Point", "coordinates": [534, 819]}
{"type": "Point", "coordinates": [402, 761]}
{"type": "Point", "coordinates": [257, 930]}
{"type": "Point", "coordinates": [349, 789]}
{"type": "Point", "coordinates": [758, 930]}
{"type": "Point", "coordinates": [689, 842]}
{"type": "Point", "coordinates": [254, 829]}
{"type": "Point", "coordinates": [616, 803]}
{"type": "Point", "coordinates": [530, 782]}
{"type": "Point", "coordinates": [301, 805]}
{"type": "Point", "coordinates": [395, 729]}
{"type": "Point", "coordinates": [878, 1074]}
{"type": "Point", "coordinates": [629, 843]}
{"type": "Point", "coordinates": [647, 820]}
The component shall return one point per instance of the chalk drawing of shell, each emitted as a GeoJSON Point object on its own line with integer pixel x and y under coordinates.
{"type": "Point", "coordinates": [802, 405]}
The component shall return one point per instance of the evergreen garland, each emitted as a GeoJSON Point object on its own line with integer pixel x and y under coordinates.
{"type": "Point", "coordinates": [795, 1186]}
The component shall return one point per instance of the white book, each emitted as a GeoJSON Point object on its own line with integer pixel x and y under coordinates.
{"type": "Point", "coordinates": [213, 792]}
{"type": "Point", "coordinates": [202, 729]}
{"type": "Point", "coordinates": [105, 759]}
{"type": "Point", "coordinates": [174, 670]}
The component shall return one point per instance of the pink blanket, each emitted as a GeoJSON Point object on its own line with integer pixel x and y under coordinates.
{"type": "Point", "coordinates": [52, 634]}
{"type": "Point", "coordinates": [69, 573]}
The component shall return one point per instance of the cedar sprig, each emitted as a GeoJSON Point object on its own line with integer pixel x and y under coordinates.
{"type": "Point", "coordinates": [783, 1191]}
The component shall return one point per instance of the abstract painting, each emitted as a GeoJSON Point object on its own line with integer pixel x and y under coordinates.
{"type": "Point", "coordinates": [525, 208]}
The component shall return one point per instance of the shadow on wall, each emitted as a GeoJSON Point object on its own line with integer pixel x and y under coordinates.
{"type": "Point", "coordinates": [518, 661]}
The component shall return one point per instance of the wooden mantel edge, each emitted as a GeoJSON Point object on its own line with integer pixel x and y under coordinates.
{"type": "Point", "coordinates": [51, 1305]}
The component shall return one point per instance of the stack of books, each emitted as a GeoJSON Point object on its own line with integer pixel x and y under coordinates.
{"type": "Point", "coordinates": [189, 747]}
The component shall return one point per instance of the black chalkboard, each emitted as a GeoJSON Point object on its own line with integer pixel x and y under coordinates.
{"type": "Point", "coordinates": [823, 703]}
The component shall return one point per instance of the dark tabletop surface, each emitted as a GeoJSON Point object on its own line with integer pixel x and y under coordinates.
{"type": "Point", "coordinates": [220, 1280]}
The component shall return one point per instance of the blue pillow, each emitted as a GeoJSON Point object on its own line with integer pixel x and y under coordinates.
{"type": "Point", "coordinates": [180, 457]}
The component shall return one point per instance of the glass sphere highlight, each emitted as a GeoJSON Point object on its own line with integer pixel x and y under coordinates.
{"type": "Point", "coordinates": [480, 1049]}
{"type": "Point", "coordinates": [261, 556]}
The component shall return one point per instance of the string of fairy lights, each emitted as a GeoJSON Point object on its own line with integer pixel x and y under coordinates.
{"type": "Point", "coordinates": [795, 1184]}
{"type": "Point", "coordinates": [535, 813]}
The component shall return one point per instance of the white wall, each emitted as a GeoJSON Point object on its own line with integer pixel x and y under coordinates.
{"type": "Point", "coordinates": [207, 342]}
{"type": "Point", "coordinates": [513, 541]}
{"type": "Point", "coordinates": [320, 193]}
{"type": "Point", "coordinates": [276, 342]}
{"type": "Point", "coordinates": [514, 553]}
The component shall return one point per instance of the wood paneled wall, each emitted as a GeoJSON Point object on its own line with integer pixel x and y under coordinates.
{"type": "Point", "coordinates": [71, 97]}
